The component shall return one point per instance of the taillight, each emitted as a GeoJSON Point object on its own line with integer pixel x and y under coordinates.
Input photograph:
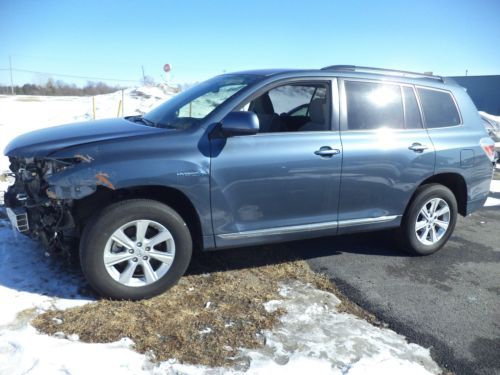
{"type": "Point", "coordinates": [488, 147]}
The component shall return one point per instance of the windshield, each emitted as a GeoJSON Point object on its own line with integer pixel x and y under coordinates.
{"type": "Point", "coordinates": [196, 103]}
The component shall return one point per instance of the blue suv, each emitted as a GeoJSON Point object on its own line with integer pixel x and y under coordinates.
{"type": "Point", "coordinates": [251, 158]}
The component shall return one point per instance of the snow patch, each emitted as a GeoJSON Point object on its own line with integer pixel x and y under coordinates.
{"type": "Point", "coordinates": [495, 186]}
{"type": "Point", "coordinates": [25, 351]}
{"type": "Point", "coordinates": [491, 202]}
{"type": "Point", "coordinates": [313, 333]}
{"type": "Point", "coordinates": [29, 280]}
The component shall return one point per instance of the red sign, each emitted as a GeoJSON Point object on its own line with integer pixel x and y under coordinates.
{"type": "Point", "coordinates": [167, 68]}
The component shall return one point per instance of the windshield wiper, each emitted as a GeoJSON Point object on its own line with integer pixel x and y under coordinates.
{"type": "Point", "coordinates": [145, 121]}
{"type": "Point", "coordinates": [148, 122]}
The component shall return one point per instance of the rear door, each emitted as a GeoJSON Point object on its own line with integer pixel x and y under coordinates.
{"type": "Point", "coordinates": [386, 152]}
{"type": "Point", "coordinates": [282, 183]}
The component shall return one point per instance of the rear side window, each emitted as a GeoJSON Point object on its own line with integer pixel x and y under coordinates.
{"type": "Point", "coordinates": [439, 108]}
{"type": "Point", "coordinates": [412, 113]}
{"type": "Point", "coordinates": [373, 106]}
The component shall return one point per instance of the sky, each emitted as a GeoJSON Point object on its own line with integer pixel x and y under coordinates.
{"type": "Point", "coordinates": [115, 39]}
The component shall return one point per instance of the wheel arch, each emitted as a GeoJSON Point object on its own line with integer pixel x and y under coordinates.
{"type": "Point", "coordinates": [85, 208]}
{"type": "Point", "coordinates": [453, 181]}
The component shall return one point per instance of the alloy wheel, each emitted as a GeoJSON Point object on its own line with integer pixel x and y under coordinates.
{"type": "Point", "coordinates": [139, 253]}
{"type": "Point", "coordinates": [432, 221]}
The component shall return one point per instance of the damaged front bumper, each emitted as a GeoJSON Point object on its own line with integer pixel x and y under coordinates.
{"type": "Point", "coordinates": [33, 212]}
{"type": "Point", "coordinates": [52, 197]}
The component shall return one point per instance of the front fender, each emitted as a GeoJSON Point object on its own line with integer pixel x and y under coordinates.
{"type": "Point", "coordinates": [114, 175]}
{"type": "Point", "coordinates": [173, 162]}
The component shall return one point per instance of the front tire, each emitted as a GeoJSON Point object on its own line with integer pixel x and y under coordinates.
{"type": "Point", "coordinates": [429, 220]}
{"type": "Point", "coordinates": [135, 249]}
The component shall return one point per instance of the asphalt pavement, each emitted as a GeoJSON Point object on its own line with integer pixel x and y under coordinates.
{"type": "Point", "coordinates": [448, 301]}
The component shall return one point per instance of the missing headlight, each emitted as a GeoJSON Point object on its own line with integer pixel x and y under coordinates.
{"type": "Point", "coordinates": [58, 165]}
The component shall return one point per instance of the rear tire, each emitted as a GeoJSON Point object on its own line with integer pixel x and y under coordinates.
{"type": "Point", "coordinates": [135, 249]}
{"type": "Point", "coordinates": [429, 220]}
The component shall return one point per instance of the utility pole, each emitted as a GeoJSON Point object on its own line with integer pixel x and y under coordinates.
{"type": "Point", "coordinates": [11, 81]}
{"type": "Point", "coordinates": [143, 75]}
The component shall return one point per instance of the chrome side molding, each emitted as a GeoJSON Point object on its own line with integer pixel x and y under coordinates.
{"type": "Point", "coordinates": [306, 227]}
{"type": "Point", "coordinates": [280, 230]}
{"type": "Point", "coordinates": [371, 220]}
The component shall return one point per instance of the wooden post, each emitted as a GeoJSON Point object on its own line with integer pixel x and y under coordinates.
{"type": "Point", "coordinates": [93, 107]}
{"type": "Point", "coordinates": [123, 104]}
{"type": "Point", "coordinates": [119, 108]}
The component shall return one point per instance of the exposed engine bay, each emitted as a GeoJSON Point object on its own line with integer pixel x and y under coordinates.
{"type": "Point", "coordinates": [35, 210]}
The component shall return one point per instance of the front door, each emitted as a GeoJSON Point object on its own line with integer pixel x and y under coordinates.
{"type": "Point", "coordinates": [284, 181]}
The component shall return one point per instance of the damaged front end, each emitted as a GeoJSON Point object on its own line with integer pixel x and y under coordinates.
{"type": "Point", "coordinates": [58, 185]}
{"type": "Point", "coordinates": [38, 209]}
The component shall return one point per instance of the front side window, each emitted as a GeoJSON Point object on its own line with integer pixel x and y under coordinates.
{"type": "Point", "coordinates": [301, 110]}
{"type": "Point", "coordinates": [287, 99]}
{"type": "Point", "coordinates": [373, 106]}
{"type": "Point", "coordinates": [439, 108]}
{"type": "Point", "coordinates": [293, 107]}
{"type": "Point", "coordinates": [191, 106]}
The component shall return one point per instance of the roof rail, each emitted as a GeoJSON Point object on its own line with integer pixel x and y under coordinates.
{"type": "Point", "coordinates": [367, 69]}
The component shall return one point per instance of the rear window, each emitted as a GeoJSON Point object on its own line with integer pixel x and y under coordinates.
{"type": "Point", "coordinates": [373, 106]}
{"type": "Point", "coordinates": [439, 108]}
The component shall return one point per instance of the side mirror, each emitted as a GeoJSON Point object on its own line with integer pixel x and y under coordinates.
{"type": "Point", "coordinates": [240, 123]}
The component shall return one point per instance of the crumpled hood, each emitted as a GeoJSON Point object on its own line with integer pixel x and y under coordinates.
{"type": "Point", "coordinates": [42, 142]}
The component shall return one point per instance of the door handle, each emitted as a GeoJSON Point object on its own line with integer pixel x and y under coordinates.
{"type": "Point", "coordinates": [327, 151]}
{"type": "Point", "coordinates": [418, 147]}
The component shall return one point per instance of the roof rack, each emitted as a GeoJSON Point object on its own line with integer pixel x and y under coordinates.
{"type": "Point", "coordinates": [367, 69]}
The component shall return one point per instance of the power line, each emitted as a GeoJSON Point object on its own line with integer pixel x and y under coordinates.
{"type": "Point", "coordinates": [70, 76]}
{"type": "Point", "coordinates": [55, 58]}
{"type": "Point", "coordinates": [11, 81]}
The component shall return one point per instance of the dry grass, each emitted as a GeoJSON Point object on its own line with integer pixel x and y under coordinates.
{"type": "Point", "coordinates": [228, 301]}
{"type": "Point", "coordinates": [27, 99]}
